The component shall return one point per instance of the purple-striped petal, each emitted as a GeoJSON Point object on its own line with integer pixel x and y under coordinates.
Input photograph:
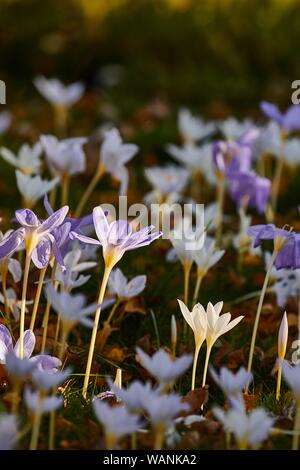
{"type": "Point", "coordinates": [11, 243]}
{"type": "Point", "coordinates": [42, 253]}
{"type": "Point", "coordinates": [6, 338]}
{"type": "Point", "coordinates": [27, 218]}
{"type": "Point", "coordinates": [83, 238]}
{"type": "Point", "coordinates": [54, 220]}
{"type": "Point", "coordinates": [28, 344]}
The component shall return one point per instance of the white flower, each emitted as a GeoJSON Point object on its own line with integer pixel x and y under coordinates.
{"type": "Point", "coordinates": [13, 304]}
{"type": "Point", "coordinates": [196, 319]}
{"type": "Point", "coordinates": [163, 409]}
{"type": "Point", "coordinates": [49, 404]}
{"type": "Point", "coordinates": [116, 421]}
{"type": "Point", "coordinates": [70, 278]}
{"type": "Point", "coordinates": [32, 188]}
{"type": "Point", "coordinates": [28, 159]}
{"type": "Point", "coordinates": [193, 128]}
{"type": "Point", "coordinates": [8, 431]}
{"type": "Point", "coordinates": [119, 285]}
{"type": "Point", "coordinates": [249, 430]}
{"type": "Point", "coordinates": [133, 397]}
{"type": "Point", "coordinates": [5, 120]}
{"type": "Point", "coordinates": [234, 129]}
{"type": "Point", "coordinates": [242, 241]}
{"type": "Point", "coordinates": [114, 155]}
{"type": "Point", "coordinates": [167, 181]}
{"type": "Point", "coordinates": [217, 325]}
{"type": "Point", "coordinates": [162, 367]}
{"type": "Point", "coordinates": [292, 378]}
{"type": "Point", "coordinates": [287, 282]}
{"type": "Point", "coordinates": [268, 141]}
{"type": "Point", "coordinates": [232, 385]}
{"type": "Point", "coordinates": [207, 256]}
{"type": "Point", "coordinates": [64, 156]}
{"type": "Point", "coordinates": [283, 336]}
{"type": "Point", "coordinates": [186, 241]}
{"type": "Point", "coordinates": [58, 94]}
{"type": "Point", "coordinates": [195, 158]}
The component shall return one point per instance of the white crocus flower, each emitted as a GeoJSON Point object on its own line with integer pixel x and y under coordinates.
{"type": "Point", "coordinates": [234, 129]}
{"type": "Point", "coordinates": [193, 128]}
{"type": "Point", "coordinates": [70, 278]}
{"type": "Point", "coordinates": [242, 242]}
{"type": "Point", "coordinates": [58, 94]}
{"type": "Point", "coordinates": [233, 385]}
{"type": "Point", "coordinates": [167, 182]}
{"type": "Point", "coordinates": [32, 188]}
{"type": "Point", "coordinates": [286, 282]}
{"type": "Point", "coordinates": [268, 141]}
{"type": "Point", "coordinates": [197, 320]}
{"type": "Point", "coordinates": [28, 159]}
{"type": "Point", "coordinates": [249, 430]}
{"type": "Point", "coordinates": [282, 344]}
{"type": "Point", "coordinates": [5, 121]}
{"type": "Point", "coordinates": [196, 159]}
{"type": "Point", "coordinates": [119, 285]}
{"type": "Point", "coordinates": [12, 302]}
{"type": "Point", "coordinates": [64, 157]}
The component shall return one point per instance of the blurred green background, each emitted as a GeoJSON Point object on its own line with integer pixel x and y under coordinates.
{"type": "Point", "coordinates": [215, 56]}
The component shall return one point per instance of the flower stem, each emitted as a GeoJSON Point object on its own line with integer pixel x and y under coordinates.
{"type": "Point", "coordinates": [278, 382]}
{"type": "Point", "coordinates": [296, 430]}
{"type": "Point", "coordinates": [65, 187]}
{"type": "Point", "coordinates": [6, 310]}
{"type": "Point", "coordinates": [159, 437]}
{"type": "Point", "coordinates": [23, 303]}
{"type": "Point", "coordinates": [110, 441]}
{"type": "Point", "coordinates": [36, 423]}
{"type": "Point", "coordinates": [86, 195]}
{"type": "Point", "coordinates": [186, 274]}
{"type": "Point", "coordinates": [102, 290]}
{"type": "Point", "coordinates": [196, 354]}
{"type": "Point", "coordinates": [56, 333]}
{"type": "Point", "coordinates": [63, 340]}
{"type": "Point", "coordinates": [197, 288]}
{"type": "Point", "coordinates": [47, 311]}
{"type": "Point", "coordinates": [220, 200]}
{"type": "Point", "coordinates": [258, 311]}
{"type": "Point", "coordinates": [37, 297]}
{"type": "Point", "coordinates": [208, 351]}
{"type": "Point", "coordinates": [114, 308]}
{"type": "Point", "coordinates": [51, 442]}
{"type": "Point", "coordinates": [60, 120]}
{"type": "Point", "coordinates": [277, 178]}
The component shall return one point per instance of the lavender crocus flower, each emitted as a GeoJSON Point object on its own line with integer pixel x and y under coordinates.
{"type": "Point", "coordinates": [116, 420]}
{"type": "Point", "coordinates": [163, 368]}
{"type": "Point", "coordinates": [46, 382]}
{"type": "Point", "coordinates": [286, 242]}
{"type": "Point", "coordinates": [249, 189]}
{"type": "Point", "coordinates": [33, 403]}
{"type": "Point", "coordinates": [289, 121]}
{"type": "Point", "coordinates": [232, 385]}
{"type": "Point", "coordinates": [64, 157]}
{"type": "Point", "coordinates": [37, 235]}
{"type": "Point", "coordinates": [163, 409]}
{"type": "Point", "coordinates": [116, 237]}
{"type": "Point", "coordinates": [118, 284]}
{"type": "Point", "coordinates": [133, 397]}
{"type": "Point", "coordinates": [9, 264]}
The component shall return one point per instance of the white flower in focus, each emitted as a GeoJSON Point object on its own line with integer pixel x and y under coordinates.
{"type": "Point", "coordinates": [58, 94]}
{"type": "Point", "coordinates": [249, 430]}
{"type": "Point", "coordinates": [196, 319]}
{"type": "Point", "coordinates": [33, 188]}
{"type": "Point", "coordinates": [28, 159]}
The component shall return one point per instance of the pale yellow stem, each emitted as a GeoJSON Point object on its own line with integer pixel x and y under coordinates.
{"type": "Point", "coordinates": [23, 304]}
{"type": "Point", "coordinates": [208, 351]}
{"type": "Point", "coordinates": [278, 382]}
{"type": "Point", "coordinates": [95, 330]}
{"type": "Point", "coordinates": [112, 312]}
{"type": "Point", "coordinates": [86, 195]}
{"type": "Point", "coordinates": [196, 354]}
{"type": "Point", "coordinates": [6, 309]}
{"type": "Point", "coordinates": [36, 423]}
{"type": "Point", "coordinates": [220, 213]}
{"type": "Point", "coordinates": [259, 308]}
{"type": "Point", "coordinates": [159, 437]}
{"type": "Point", "coordinates": [37, 297]}
{"type": "Point", "coordinates": [197, 288]}
{"type": "Point", "coordinates": [65, 187]}
{"type": "Point", "coordinates": [277, 179]}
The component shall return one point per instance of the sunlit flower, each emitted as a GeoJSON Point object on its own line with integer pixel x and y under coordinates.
{"type": "Point", "coordinates": [249, 430]}
{"type": "Point", "coordinates": [232, 385]}
{"type": "Point", "coordinates": [28, 159]}
{"type": "Point", "coordinates": [165, 369]}
{"type": "Point", "coordinates": [64, 157]}
{"type": "Point", "coordinates": [289, 121]}
{"type": "Point", "coordinates": [54, 91]}
{"type": "Point", "coordinates": [6, 344]}
{"type": "Point", "coordinates": [217, 324]}
{"type": "Point", "coordinates": [207, 256]}
{"type": "Point", "coordinates": [5, 121]}
{"type": "Point", "coordinates": [70, 277]}
{"type": "Point", "coordinates": [33, 188]}
{"type": "Point", "coordinates": [8, 431]}
{"type": "Point", "coordinates": [119, 285]}
{"type": "Point", "coordinates": [193, 128]}
{"type": "Point", "coordinates": [114, 154]}
{"type": "Point", "coordinates": [116, 237]}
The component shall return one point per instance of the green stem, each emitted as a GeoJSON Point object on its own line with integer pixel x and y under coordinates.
{"type": "Point", "coordinates": [65, 187]}
{"type": "Point", "coordinates": [259, 308]}
{"type": "Point", "coordinates": [197, 288]}
{"type": "Point", "coordinates": [95, 330]}
{"type": "Point", "coordinates": [114, 308]}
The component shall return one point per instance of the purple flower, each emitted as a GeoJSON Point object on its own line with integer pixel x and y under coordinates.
{"type": "Point", "coordinates": [37, 235]}
{"type": "Point", "coordinates": [249, 189]}
{"type": "Point", "coordinates": [289, 121]}
{"type": "Point", "coordinates": [287, 244]}
{"type": "Point", "coordinates": [116, 237]}
{"type": "Point", "coordinates": [32, 400]}
{"type": "Point", "coordinates": [6, 344]}
{"type": "Point", "coordinates": [119, 285]}
{"type": "Point", "coordinates": [116, 420]}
